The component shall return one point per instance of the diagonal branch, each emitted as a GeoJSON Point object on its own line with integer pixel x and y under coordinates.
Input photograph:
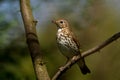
{"type": "Point", "coordinates": [32, 40]}
{"type": "Point", "coordinates": [84, 54]}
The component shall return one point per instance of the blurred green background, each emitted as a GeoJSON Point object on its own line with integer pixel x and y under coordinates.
{"type": "Point", "coordinates": [93, 21]}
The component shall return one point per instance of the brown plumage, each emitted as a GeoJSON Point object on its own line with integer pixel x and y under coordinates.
{"type": "Point", "coordinates": [68, 43]}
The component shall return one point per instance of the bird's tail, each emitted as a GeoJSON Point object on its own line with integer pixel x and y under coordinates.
{"type": "Point", "coordinates": [83, 66]}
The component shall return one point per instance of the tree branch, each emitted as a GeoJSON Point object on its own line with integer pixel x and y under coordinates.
{"type": "Point", "coordinates": [84, 54]}
{"type": "Point", "coordinates": [32, 40]}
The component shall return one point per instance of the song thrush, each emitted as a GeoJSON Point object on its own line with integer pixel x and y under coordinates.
{"type": "Point", "coordinates": [68, 44]}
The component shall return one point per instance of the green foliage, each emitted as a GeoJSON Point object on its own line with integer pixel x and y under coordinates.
{"type": "Point", "coordinates": [15, 62]}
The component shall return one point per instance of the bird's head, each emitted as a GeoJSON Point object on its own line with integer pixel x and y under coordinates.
{"type": "Point", "coordinates": [61, 23]}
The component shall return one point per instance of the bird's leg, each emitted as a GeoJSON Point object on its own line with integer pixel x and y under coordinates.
{"type": "Point", "coordinates": [67, 59]}
{"type": "Point", "coordinates": [65, 63]}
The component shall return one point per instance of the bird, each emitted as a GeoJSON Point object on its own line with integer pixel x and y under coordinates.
{"type": "Point", "coordinates": [68, 44]}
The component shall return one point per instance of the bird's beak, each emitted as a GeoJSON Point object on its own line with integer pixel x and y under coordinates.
{"type": "Point", "coordinates": [53, 21]}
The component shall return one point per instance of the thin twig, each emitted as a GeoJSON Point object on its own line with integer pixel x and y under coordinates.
{"type": "Point", "coordinates": [84, 54]}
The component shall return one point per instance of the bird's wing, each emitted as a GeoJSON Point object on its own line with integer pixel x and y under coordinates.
{"type": "Point", "coordinates": [75, 40]}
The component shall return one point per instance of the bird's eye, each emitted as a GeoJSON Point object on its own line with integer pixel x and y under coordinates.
{"type": "Point", "coordinates": [61, 21]}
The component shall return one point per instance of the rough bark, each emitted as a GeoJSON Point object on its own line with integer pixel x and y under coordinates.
{"type": "Point", "coordinates": [32, 40]}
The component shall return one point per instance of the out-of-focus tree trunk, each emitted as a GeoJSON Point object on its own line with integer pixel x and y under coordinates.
{"type": "Point", "coordinates": [32, 40]}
